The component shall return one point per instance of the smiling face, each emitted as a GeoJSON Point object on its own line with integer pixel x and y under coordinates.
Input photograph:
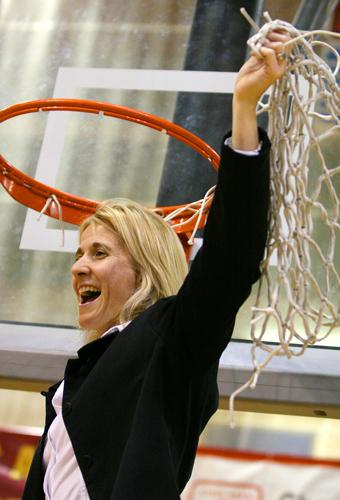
{"type": "Point", "coordinates": [103, 278]}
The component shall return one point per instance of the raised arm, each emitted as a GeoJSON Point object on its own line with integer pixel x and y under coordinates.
{"type": "Point", "coordinates": [254, 78]}
{"type": "Point", "coordinates": [228, 263]}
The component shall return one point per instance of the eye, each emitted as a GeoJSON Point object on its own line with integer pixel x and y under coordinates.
{"type": "Point", "coordinates": [100, 253]}
{"type": "Point", "coordinates": [77, 257]}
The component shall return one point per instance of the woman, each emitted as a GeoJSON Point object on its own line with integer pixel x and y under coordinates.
{"type": "Point", "coordinates": [125, 422]}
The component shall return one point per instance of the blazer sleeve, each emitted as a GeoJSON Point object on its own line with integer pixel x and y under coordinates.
{"type": "Point", "coordinates": [226, 266]}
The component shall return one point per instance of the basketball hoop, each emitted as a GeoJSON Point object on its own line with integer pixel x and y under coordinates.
{"type": "Point", "coordinates": [185, 219]}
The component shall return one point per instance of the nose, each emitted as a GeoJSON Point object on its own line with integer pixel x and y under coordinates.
{"type": "Point", "coordinates": [80, 266]}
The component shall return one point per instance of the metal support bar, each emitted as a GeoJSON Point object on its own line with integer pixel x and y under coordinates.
{"type": "Point", "coordinates": [217, 43]}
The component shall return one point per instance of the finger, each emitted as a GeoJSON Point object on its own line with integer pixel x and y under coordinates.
{"type": "Point", "coordinates": [278, 36]}
{"type": "Point", "coordinates": [257, 55]}
{"type": "Point", "coordinates": [272, 59]}
{"type": "Point", "coordinates": [280, 50]}
{"type": "Point", "coordinates": [278, 45]}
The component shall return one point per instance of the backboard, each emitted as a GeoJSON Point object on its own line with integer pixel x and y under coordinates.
{"type": "Point", "coordinates": [154, 57]}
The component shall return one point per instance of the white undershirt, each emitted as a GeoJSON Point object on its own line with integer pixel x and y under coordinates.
{"type": "Point", "coordinates": [251, 152]}
{"type": "Point", "coordinates": [63, 479]}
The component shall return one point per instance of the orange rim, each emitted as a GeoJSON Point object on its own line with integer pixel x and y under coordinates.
{"type": "Point", "coordinates": [74, 209]}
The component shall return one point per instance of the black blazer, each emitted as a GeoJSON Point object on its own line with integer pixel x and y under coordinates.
{"type": "Point", "coordinates": [136, 402]}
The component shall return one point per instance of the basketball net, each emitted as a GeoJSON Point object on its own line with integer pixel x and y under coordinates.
{"type": "Point", "coordinates": [298, 301]}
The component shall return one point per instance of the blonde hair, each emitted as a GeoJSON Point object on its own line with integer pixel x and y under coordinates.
{"type": "Point", "coordinates": [152, 244]}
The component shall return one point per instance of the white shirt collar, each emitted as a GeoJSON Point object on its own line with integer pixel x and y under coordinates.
{"type": "Point", "coordinates": [116, 328]}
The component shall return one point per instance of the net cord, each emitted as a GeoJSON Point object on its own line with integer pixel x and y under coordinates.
{"type": "Point", "coordinates": [299, 305]}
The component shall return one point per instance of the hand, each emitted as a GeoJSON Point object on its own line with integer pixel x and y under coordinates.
{"type": "Point", "coordinates": [262, 69]}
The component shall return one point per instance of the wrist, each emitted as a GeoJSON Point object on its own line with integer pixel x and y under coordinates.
{"type": "Point", "coordinates": [245, 133]}
{"type": "Point", "coordinates": [244, 105]}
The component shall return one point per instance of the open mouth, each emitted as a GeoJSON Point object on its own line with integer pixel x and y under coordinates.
{"type": "Point", "coordinates": [88, 294]}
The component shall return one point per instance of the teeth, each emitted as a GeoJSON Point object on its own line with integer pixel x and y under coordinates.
{"type": "Point", "coordinates": [84, 289]}
{"type": "Point", "coordinates": [88, 293]}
